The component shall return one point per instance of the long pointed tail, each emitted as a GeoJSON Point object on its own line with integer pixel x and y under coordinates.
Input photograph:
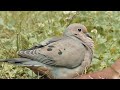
{"type": "Point", "coordinates": [15, 60]}
{"type": "Point", "coordinates": [22, 62]}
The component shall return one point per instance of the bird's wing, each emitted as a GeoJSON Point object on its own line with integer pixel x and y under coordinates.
{"type": "Point", "coordinates": [45, 42]}
{"type": "Point", "coordinates": [66, 52]}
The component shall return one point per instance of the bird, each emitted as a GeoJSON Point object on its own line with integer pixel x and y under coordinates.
{"type": "Point", "coordinates": [61, 57]}
{"type": "Point", "coordinates": [111, 72]}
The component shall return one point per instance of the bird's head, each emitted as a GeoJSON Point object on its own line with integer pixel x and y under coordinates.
{"type": "Point", "coordinates": [76, 29]}
{"type": "Point", "coordinates": [79, 31]}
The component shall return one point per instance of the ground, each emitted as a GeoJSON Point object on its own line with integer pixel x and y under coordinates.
{"type": "Point", "coordinates": [20, 30]}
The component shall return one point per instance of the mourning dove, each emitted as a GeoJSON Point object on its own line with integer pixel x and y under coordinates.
{"type": "Point", "coordinates": [112, 72]}
{"type": "Point", "coordinates": [59, 58]}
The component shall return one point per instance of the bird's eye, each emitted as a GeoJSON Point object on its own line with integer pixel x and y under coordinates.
{"type": "Point", "coordinates": [79, 30]}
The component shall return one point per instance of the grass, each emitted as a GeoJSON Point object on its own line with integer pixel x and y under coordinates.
{"type": "Point", "coordinates": [21, 30]}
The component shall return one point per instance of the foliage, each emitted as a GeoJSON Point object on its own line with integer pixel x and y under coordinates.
{"type": "Point", "coordinates": [22, 29]}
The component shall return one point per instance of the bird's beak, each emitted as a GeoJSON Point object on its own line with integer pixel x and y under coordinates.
{"type": "Point", "coordinates": [88, 35]}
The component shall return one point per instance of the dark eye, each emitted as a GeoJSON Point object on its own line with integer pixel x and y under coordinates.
{"type": "Point", "coordinates": [79, 30]}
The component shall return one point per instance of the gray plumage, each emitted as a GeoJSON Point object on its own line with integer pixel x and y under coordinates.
{"type": "Point", "coordinates": [63, 57]}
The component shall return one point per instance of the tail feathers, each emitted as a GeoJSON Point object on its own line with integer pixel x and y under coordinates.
{"type": "Point", "coordinates": [22, 62]}
{"type": "Point", "coordinates": [15, 60]}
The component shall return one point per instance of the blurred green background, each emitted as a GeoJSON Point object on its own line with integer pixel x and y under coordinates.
{"type": "Point", "coordinates": [22, 29]}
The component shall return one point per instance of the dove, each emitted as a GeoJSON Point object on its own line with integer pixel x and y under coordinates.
{"type": "Point", "coordinates": [112, 72]}
{"type": "Point", "coordinates": [61, 57]}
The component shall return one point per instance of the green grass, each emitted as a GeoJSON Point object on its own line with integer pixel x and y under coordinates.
{"type": "Point", "coordinates": [22, 29]}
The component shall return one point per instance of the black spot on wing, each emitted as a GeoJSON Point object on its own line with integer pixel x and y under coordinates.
{"type": "Point", "coordinates": [49, 49]}
{"type": "Point", "coordinates": [60, 52]}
